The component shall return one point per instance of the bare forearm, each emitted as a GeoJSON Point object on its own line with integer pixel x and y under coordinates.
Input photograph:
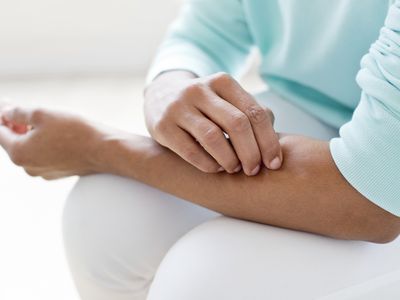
{"type": "Point", "coordinates": [307, 194]}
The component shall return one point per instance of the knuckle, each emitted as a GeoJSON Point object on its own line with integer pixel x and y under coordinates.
{"type": "Point", "coordinates": [193, 156]}
{"type": "Point", "coordinates": [192, 91]}
{"type": "Point", "coordinates": [239, 122]}
{"type": "Point", "coordinates": [172, 109]}
{"type": "Point", "coordinates": [190, 153]}
{"type": "Point", "coordinates": [221, 79]}
{"type": "Point", "coordinates": [211, 135]}
{"type": "Point", "coordinates": [161, 127]}
{"type": "Point", "coordinates": [257, 114]}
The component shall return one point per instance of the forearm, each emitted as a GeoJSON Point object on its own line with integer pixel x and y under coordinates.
{"type": "Point", "coordinates": [307, 193]}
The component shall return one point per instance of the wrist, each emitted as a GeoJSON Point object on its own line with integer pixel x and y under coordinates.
{"type": "Point", "coordinates": [122, 153]}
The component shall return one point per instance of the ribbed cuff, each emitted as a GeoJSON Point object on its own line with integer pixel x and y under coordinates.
{"type": "Point", "coordinates": [367, 154]}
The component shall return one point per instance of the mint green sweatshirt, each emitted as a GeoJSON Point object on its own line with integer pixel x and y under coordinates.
{"type": "Point", "coordinates": [311, 52]}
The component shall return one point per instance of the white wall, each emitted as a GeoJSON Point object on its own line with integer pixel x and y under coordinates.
{"type": "Point", "coordinates": [75, 36]}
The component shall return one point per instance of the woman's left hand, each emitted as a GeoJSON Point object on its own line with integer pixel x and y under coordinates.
{"type": "Point", "coordinates": [47, 143]}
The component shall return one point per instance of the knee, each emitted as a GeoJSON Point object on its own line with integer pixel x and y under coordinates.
{"type": "Point", "coordinates": [116, 231]}
{"type": "Point", "coordinates": [89, 215]}
{"type": "Point", "coordinates": [104, 247]}
{"type": "Point", "coordinates": [114, 213]}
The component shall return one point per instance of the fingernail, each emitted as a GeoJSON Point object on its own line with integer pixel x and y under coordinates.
{"type": "Point", "coordinates": [275, 163]}
{"type": "Point", "coordinates": [255, 171]}
{"type": "Point", "coordinates": [221, 169]}
{"type": "Point", "coordinates": [237, 169]}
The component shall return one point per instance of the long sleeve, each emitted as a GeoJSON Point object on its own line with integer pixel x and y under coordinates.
{"type": "Point", "coordinates": [209, 36]}
{"type": "Point", "coordinates": [367, 152]}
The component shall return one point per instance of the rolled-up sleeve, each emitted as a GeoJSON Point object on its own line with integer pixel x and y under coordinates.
{"type": "Point", "coordinates": [367, 152]}
{"type": "Point", "coordinates": [209, 36]}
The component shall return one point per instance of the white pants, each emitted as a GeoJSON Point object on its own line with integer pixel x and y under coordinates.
{"type": "Point", "coordinates": [128, 241]}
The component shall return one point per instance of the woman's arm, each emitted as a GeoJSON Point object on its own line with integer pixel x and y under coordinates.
{"type": "Point", "coordinates": [308, 193]}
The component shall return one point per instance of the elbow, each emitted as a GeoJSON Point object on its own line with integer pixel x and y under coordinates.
{"type": "Point", "coordinates": [385, 237]}
{"type": "Point", "coordinates": [379, 227]}
{"type": "Point", "coordinates": [385, 231]}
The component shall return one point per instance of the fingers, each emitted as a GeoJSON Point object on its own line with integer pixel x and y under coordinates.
{"type": "Point", "coordinates": [236, 124]}
{"type": "Point", "coordinates": [186, 147]}
{"type": "Point", "coordinates": [21, 119]}
{"type": "Point", "coordinates": [17, 115]}
{"type": "Point", "coordinates": [212, 138]}
{"type": "Point", "coordinates": [260, 118]}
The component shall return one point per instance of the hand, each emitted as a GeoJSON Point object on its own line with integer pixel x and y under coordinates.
{"type": "Point", "coordinates": [47, 143]}
{"type": "Point", "coordinates": [190, 116]}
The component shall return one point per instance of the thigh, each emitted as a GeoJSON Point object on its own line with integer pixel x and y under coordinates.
{"type": "Point", "coordinates": [238, 260]}
{"type": "Point", "coordinates": [116, 232]}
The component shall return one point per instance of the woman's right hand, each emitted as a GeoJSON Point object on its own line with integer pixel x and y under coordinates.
{"type": "Point", "coordinates": [190, 115]}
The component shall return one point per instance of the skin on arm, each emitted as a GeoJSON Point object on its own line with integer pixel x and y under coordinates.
{"type": "Point", "coordinates": [307, 193]}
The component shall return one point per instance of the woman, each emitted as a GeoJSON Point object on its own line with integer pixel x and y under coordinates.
{"type": "Point", "coordinates": [117, 230]}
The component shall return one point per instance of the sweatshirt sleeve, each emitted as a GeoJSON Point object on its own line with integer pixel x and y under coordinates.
{"type": "Point", "coordinates": [367, 152]}
{"type": "Point", "coordinates": [209, 36]}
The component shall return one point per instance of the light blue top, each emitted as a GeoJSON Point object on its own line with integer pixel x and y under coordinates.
{"type": "Point", "coordinates": [311, 52]}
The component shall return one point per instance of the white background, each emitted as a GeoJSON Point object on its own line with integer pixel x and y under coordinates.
{"type": "Point", "coordinates": [58, 36]}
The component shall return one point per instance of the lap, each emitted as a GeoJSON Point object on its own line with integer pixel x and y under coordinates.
{"type": "Point", "coordinates": [232, 259]}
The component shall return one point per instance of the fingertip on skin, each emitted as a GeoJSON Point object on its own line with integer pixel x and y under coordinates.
{"type": "Point", "coordinates": [275, 163]}
{"type": "Point", "coordinates": [237, 169]}
{"type": "Point", "coordinates": [254, 171]}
